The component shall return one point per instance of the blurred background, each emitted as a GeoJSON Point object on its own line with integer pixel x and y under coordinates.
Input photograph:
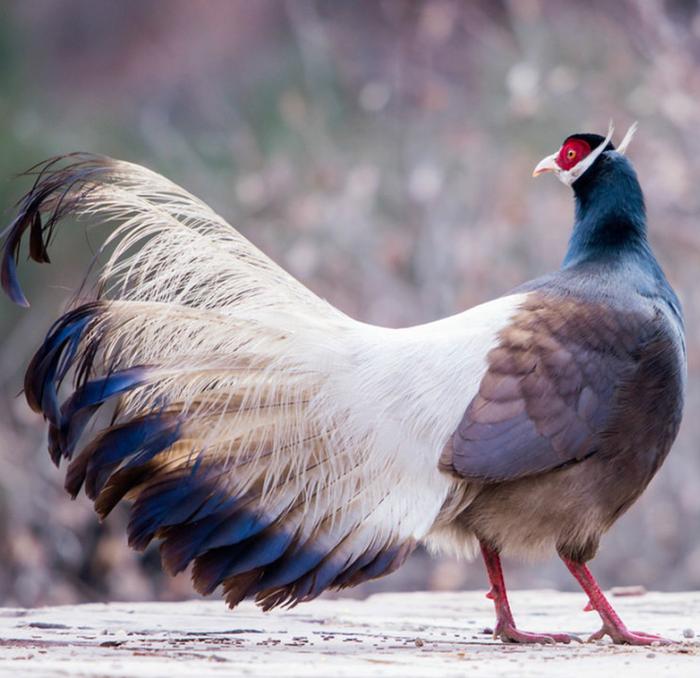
{"type": "Point", "coordinates": [381, 151]}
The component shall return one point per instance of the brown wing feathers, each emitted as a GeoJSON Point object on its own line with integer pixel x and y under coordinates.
{"type": "Point", "coordinates": [548, 391]}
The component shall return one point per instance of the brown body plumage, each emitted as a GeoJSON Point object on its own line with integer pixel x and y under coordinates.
{"type": "Point", "coordinates": [592, 391]}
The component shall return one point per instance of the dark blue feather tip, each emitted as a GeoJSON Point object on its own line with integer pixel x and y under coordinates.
{"type": "Point", "coordinates": [61, 185]}
{"type": "Point", "coordinates": [113, 449]}
{"type": "Point", "coordinates": [81, 406]}
{"type": "Point", "coordinates": [55, 357]}
{"type": "Point", "coordinates": [64, 349]}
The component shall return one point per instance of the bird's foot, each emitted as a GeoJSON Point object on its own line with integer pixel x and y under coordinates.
{"type": "Point", "coordinates": [508, 633]}
{"type": "Point", "coordinates": [620, 635]}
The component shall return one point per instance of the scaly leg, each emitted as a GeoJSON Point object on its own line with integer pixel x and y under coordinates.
{"type": "Point", "coordinates": [505, 624]}
{"type": "Point", "coordinates": [612, 624]}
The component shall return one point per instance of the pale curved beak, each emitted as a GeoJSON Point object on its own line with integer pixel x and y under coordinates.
{"type": "Point", "coordinates": [548, 164]}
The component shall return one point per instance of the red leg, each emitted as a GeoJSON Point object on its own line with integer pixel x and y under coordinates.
{"type": "Point", "coordinates": [612, 624]}
{"type": "Point", "coordinates": [505, 624]}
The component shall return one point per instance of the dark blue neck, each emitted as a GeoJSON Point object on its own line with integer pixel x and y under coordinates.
{"type": "Point", "coordinates": [610, 214]}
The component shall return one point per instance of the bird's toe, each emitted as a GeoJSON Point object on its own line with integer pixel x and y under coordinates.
{"type": "Point", "coordinates": [623, 636]}
{"type": "Point", "coordinates": [511, 634]}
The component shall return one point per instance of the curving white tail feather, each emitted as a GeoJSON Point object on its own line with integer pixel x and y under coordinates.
{"type": "Point", "coordinates": [280, 445]}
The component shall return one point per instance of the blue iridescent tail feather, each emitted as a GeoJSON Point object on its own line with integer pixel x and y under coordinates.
{"type": "Point", "coordinates": [187, 498]}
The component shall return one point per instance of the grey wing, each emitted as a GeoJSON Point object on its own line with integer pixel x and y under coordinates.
{"type": "Point", "coordinates": [549, 391]}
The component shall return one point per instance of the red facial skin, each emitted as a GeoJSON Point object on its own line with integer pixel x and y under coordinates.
{"type": "Point", "coordinates": [572, 152]}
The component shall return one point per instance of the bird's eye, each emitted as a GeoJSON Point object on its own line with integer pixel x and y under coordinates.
{"type": "Point", "coordinates": [570, 154]}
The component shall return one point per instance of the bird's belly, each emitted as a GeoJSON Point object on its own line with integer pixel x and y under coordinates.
{"type": "Point", "coordinates": [566, 510]}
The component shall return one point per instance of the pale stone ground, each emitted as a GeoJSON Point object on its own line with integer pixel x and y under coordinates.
{"type": "Point", "coordinates": [414, 634]}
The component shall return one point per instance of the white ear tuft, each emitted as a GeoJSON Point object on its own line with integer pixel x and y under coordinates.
{"type": "Point", "coordinates": [624, 144]}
